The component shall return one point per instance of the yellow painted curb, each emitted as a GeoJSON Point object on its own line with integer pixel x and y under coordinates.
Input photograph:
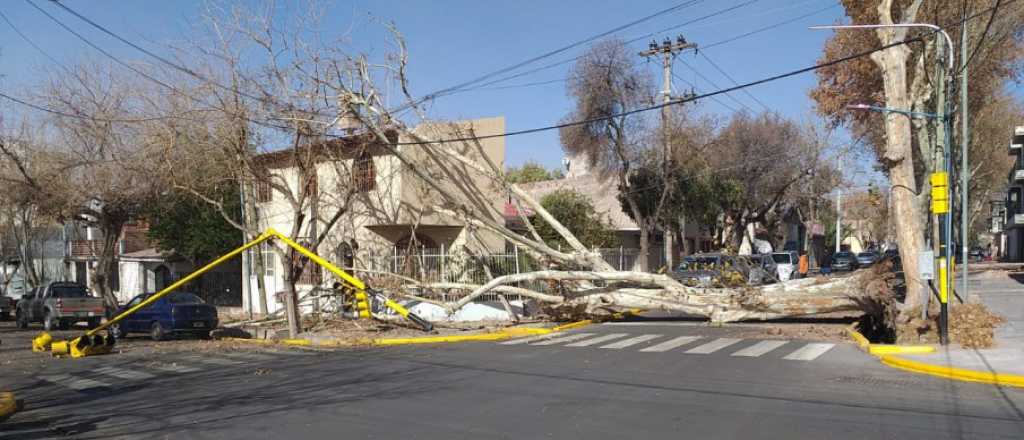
{"type": "Point", "coordinates": [8, 405]}
{"type": "Point", "coordinates": [492, 336]}
{"type": "Point", "coordinates": [884, 349]}
{"type": "Point", "coordinates": [953, 372]}
{"type": "Point", "coordinates": [573, 325]}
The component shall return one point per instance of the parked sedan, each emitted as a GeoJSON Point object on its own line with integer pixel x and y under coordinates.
{"type": "Point", "coordinates": [844, 261]}
{"type": "Point", "coordinates": [178, 313]}
{"type": "Point", "coordinates": [865, 259]}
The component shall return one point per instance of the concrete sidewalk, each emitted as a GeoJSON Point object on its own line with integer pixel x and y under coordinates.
{"type": "Point", "coordinates": [1002, 364]}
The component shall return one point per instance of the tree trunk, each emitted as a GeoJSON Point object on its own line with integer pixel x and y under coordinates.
{"type": "Point", "coordinates": [103, 275]}
{"type": "Point", "coordinates": [259, 265]}
{"type": "Point", "coordinates": [667, 234]}
{"type": "Point", "coordinates": [644, 255]}
{"type": "Point", "coordinates": [291, 308]}
{"type": "Point", "coordinates": [898, 157]}
{"type": "Point", "coordinates": [683, 245]}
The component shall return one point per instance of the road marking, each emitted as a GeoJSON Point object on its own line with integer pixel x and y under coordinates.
{"type": "Point", "coordinates": [670, 344]}
{"type": "Point", "coordinates": [809, 352]}
{"type": "Point", "coordinates": [75, 383]}
{"type": "Point", "coordinates": [175, 368]}
{"type": "Point", "coordinates": [568, 338]}
{"type": "Point", "coordinates": [597, 340]}
{"type": "Point", "coordinates": [759, 348]}
{"type": "Point", "coordinates": [631, 341]}
{"type": "Point", "coordinates": [122, 373]}
{"type": "Point", "coordinates": [713, 346]}
{"type": "Point", "coordinates": [527, 340]}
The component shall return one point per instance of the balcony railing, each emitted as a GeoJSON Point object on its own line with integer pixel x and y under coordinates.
{"type": "Point", "coordinates": [85, 248]}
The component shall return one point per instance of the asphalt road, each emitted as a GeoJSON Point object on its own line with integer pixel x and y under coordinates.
{"type": "Point", "coordinates": [640, 380]}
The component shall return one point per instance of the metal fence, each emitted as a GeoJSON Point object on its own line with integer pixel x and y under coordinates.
{"type": "Point", "coordinates": [442, 265]}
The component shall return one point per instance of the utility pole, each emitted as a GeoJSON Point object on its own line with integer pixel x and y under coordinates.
{"type": "Point", "coordinates": [839, 215]}
{"type": "Point", "coordinates": [965, 171]}
{"type": "Point", "coordinates": [941, 194]}
{"type": "Point", "coordinates": [667, 50]}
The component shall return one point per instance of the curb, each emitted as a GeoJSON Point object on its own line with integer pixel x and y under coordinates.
{"type": "Point", "coordinates": [888, 355]}
{"type": "Point", "coordinates": [886, 349]}
{"type": "Point", "coordinates": [8, 405]}
{"type": "Point", "coordinates": [953, 372]}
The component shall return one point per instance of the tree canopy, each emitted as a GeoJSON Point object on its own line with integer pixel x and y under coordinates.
{"type": "Point", "coordinates": [576, 213]}
{"type": "Point", "coordinates": [193, 228]}
{"type": "Point", "coordinates": [532, 172]}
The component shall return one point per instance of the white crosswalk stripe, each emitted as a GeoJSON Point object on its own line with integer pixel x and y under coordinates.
{"type": "Point", "coordinates": [597, 340]}
{"type": "Point", "coordinates": [527, 340]}
{"type": "Point", "coordinates": [122, 373]}
{"type": "Point", "coordinates": [759, 348]}
{"type": "Point", "coordinates": [75, 383]}
{"type": "Point", "coordinates": [568, 338]}
{"type": "Point", "coordinates": [809, 352]}
{"type": "Point", "coordinates": [175, 368]}
{"type": "Point", "coordinates": [670, 344]}
{"type": "Point", "coordinates": [713, 346]}
{"type": "Point", "coordinates": [631, 341]}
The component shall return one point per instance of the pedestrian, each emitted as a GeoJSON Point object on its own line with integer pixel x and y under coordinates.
{"type": "Point", "coordinates": [803, 265]}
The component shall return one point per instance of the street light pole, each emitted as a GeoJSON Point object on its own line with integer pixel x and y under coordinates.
{"type": "Point", "coordinates": [965, 172]}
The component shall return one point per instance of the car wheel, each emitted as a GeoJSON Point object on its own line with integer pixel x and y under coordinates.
{"type": "Point", "coordinates": [118, 331]}
{"type": "Point", "coordinates": [157, 332]}
{"type": "Point", "coordinates": [21, 319]}
{"type": "Point", "coordinates": [49, 322]}
{"type": "Point", "coordinates": [95, 322]}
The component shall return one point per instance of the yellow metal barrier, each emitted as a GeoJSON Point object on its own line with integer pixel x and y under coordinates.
{"type": "Point", "coordinates": [93, 343]}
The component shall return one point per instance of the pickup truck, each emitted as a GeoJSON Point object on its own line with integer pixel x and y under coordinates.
{"type": "Point", "coordinates": [59, 305]}
{"type": "Point", "coordinates": [6, 306]}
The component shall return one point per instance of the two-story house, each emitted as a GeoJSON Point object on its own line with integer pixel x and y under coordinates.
{"type": "Point", "coordinates": [380, 212]}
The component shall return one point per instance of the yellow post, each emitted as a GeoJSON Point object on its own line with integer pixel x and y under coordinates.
{"type": "Point", "coordinates": [177, 284]}
{"type": "Point", "coordinates": [943, 282]}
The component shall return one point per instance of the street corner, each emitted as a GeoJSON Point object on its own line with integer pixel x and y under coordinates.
{"type": "Point", "coordinates": [9, 405]}
{"type": "Point", "coordinates": [962, 365]}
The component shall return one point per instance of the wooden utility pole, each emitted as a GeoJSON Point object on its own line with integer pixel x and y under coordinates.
{"type": "Point", "coordinates": [667, 50]}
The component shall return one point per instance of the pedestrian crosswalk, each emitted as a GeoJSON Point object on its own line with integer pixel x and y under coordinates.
{"type": "Point", "coordinates": [695, 345]}
{"type": "Point", "coordinates": [109, 376]}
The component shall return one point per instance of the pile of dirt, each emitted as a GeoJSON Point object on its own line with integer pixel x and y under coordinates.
{"type": "Point", "coordinates": [970, 326]}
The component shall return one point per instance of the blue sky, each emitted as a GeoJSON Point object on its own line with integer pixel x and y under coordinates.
{"type": "Point", "coordinates": [455, 40]}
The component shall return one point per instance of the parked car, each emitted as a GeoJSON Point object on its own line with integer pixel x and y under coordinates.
{"type": "Point", "coordinates": [7, 306]}
{"type": "Point", "coordinates": [866, 259]}
{"type": "Point", "coordinates": [785, 266]}
{"type": "Point", "coordinates": [178, 313]}
{"type": "Point", "coordinates": [976, 254]}
{"type": "Point", "coordinates": [59, 305]}
{"type": "Point", "coordinates": [716, 270]}
{"type": "Point", "coordinates": [844, 261]}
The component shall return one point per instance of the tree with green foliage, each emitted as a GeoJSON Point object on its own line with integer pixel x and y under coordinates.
{"type": "Point", "coordinates": [193, 228]}
{"type": "Point", "coordinates": [576, 213]}
{"type": "Point", "coordinates": [532, 172]}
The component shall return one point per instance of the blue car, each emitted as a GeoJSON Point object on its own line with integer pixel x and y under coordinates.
{"type": "Point", "coordinates": [178, 313]}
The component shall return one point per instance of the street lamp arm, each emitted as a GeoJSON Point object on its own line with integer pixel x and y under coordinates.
{"type": "Point", "coordinates": [949, 41]}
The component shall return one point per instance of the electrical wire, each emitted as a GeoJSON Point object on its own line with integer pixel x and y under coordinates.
{"type": "Point", "coordinates": [981, 40]}
{"type": "Point", "coordinates": [71, 115]}
{"type": "Point", "coordinates": [713, 84]}
{"type": "Point", "coordinates": [713, 98]}
{"type": "Point", "coordinates": [29, 40]}
{"type": "Point", "coordinates": [734, 82]}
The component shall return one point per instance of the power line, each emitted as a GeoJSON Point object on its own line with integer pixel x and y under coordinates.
{"type": "Point", "coordinates": [703, 47]}
{"type": "Point", "coordinates": [713, 98]}
{"type": "Point", "coordinates": [29, 40]}
{"type": "Point", "coordinates": [730, 78]}
{"type": "Point", "coordinates": [633, 40]}
{"type": "Point", "coordinates": [713, 84]}
{"type": "Point", "coordinates": [981, 40]}
{"type": "Point", "coordinates": [674, 102]}
{"type": "Point", "coordinates": [71, 115]}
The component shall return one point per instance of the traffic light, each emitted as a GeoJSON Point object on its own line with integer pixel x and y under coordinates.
{"type": "Point", "coordinates": [361, 304]}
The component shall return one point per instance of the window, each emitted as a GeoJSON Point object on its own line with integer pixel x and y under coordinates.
{"type": "Point", "coordinates": [69, 292]}
{"type": "Point", "coordinates": [269, 259]}
{"type": "Point", "coordinates": [264, 193]}
{"type": "Point", "coordinates": [184, 298]}
{"type": "Point", "coordinates": [364, 173]}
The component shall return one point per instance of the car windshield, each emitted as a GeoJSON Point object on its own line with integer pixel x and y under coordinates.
{"type": "Point", "coordinates": [782, 258]}
{"type": "Point", "coordinates": [184, 298]}
{"type": "Point", "coordinates": [71, 291]}
{"type": "Point", "coordinates": [844, 255]}
{"type": "Point", "coordinates": [865, 254]}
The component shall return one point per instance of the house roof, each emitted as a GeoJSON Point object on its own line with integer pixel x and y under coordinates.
{"type": "Point", "coordinates": [347, 147]}
{"type": "Point", "coordinates": [151, 254]}
{"type": "Point", "coordinates": [602, 192]}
